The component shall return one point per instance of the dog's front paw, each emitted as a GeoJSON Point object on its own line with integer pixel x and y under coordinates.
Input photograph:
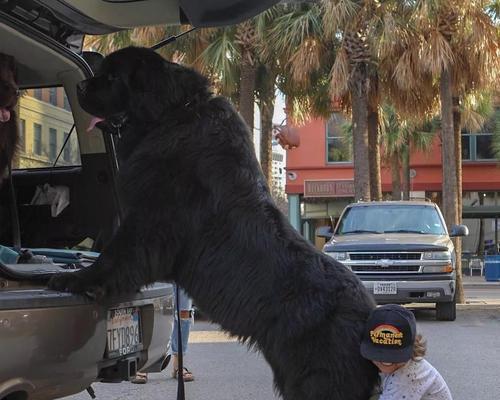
{"type": "Point", "coordinates": [74, 283]}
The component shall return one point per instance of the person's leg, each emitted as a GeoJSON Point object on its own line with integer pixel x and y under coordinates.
{"type": "Point", "coordinates": [140, 377]}
{"type": "Point", "coordinates": [186, 317]}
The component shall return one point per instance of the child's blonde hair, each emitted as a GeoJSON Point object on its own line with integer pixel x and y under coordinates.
{"type": "Point", "coordinates": [419, 348]}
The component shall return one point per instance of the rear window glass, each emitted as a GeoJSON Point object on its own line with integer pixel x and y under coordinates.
{"type": "Point", "coordinates": [45, 121]}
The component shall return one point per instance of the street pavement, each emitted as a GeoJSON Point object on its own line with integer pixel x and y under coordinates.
{"type": "Point", "coordinates": [465, 351]}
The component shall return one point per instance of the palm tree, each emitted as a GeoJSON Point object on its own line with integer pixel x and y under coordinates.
{"type": "Point", "coordinates": [460, 47]}
{"type": "Point", "coordinates": [352, 69]}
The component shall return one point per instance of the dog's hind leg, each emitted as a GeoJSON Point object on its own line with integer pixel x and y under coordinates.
{"type": "Point", "coordinates": [142, 251]}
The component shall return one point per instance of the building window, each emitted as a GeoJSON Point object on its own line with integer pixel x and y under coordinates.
{"type": "Point", "coordinates": [66, 102]}
{"type": "Point", "coordinates": [67, 148]}
{"type": "Point", "coordinates": [46, 125]}
{"type": "Point", "coordinates": [278, 157]}
{"type": "Point", "coordinates": [22, 134]}
{"type": "Point", "coordinates": [338, 144]}
{"type": "Point", "coordinates": [466, 151]}
{"type": "Point", "coordinates": [53, 96]}
{"type": "Point", "coordinates": [483, 147]}
{"type": "Point", "coordinates": [52, 144]}
{"type": "Point", "coordinates": [477, 147]}
{"type": "Point", "coordinates": [37, 139]}
{"type": "Point", "coordinates": [37, 93]}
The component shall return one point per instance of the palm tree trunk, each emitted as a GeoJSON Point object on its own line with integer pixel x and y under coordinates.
{"type": "Point", "coordinates": [450, 196]}
{"type": "Point", "coordinates": [396, 176]}
{"type": "Point", "coordinates": [449, 160]}
{"type": "Point", "coordinates": [374, 153]}
{"type": "Point", "coordinates": [374, 138]}
{"type": "Point", "coordinates": [457, 128]}
{"type": "Point", "coordinates": [247, 89]}
{"type": "Point", "coordinates": [358, 85]}
{"type": "Point", "coordinates": [266, 136]}
{"type": "Point", "coordinates": [405, 167]}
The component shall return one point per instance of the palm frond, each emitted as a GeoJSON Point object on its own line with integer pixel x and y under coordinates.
{"type": "Point", "coordinates": [337, 14]}
{"type": "Point", "coordinates": [306, 60]}
{"type": "Point", "coordinates": [339, 75]}
{"type": "Point", "coordinates": [436, 53]}
{"type": "Point", "coordinates": [290, 30]}
{"type": "Point", "coordinates": [220, 58]}
{"type": "Point", "coordinates": [476, 108]}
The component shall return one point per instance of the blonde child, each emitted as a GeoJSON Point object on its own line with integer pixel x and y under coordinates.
{"type": "Point", "coordinates": [391, 343]}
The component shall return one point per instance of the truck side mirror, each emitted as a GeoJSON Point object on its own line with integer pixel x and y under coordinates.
{"type": "Point", "coordinates": [459, 230]}
{"type": "Point", "coordinates": [324, 232]}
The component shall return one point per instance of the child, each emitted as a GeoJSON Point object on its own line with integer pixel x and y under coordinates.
{"type": "Point", "coordinates": [391, 343]}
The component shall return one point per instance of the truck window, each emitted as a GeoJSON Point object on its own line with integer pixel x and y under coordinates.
{"type": "Point", "coordinates": [391, 219]}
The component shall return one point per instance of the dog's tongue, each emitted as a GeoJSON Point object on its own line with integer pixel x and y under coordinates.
{"type": "Point", "coordinates": [93, 122]}
{"type": "Point", "coordinates": [4, 115]}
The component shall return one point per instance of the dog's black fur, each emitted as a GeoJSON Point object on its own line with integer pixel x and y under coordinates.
{"type": "Point", "coordinates": [9, 92]}
{"type": "Point", "coordinates": [198, 211]}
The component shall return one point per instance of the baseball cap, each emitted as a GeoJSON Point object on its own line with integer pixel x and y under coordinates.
{"type": "Point", "coordinates": [389, 334]}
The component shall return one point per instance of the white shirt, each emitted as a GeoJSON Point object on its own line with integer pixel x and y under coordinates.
{"type": "Point", "coordinates": [417, 380]}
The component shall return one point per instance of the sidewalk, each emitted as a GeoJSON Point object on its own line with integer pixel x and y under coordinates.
{"type": "Point", "coordinates": [486, 294]}
{"type": "Point", "coordinates": [478, 282]}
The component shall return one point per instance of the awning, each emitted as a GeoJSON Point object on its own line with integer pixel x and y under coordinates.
{"type": "Point", "coordinates": [481, 212]}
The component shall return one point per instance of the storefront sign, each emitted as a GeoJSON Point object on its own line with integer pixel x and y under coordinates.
{"type": "Point", "coordinates": [329, 188]}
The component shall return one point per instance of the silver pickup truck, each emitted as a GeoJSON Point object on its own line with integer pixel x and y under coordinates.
{"type": "Point", "coordinates": [401, 250]}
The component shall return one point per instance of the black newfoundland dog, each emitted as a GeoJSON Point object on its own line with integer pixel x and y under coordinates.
{"type": "Point", "coordinates": [198, 211]}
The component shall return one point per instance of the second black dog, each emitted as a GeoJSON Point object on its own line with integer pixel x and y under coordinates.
{"type": "Point", "coordinates": [198, 211]}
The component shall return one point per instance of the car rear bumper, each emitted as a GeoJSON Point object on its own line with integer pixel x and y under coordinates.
{"type": "Point", "coordinates": [414, 291]}
{"type": "Point", "coordinates": [55, 343]}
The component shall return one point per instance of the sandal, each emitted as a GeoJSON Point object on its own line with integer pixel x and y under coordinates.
{"type": "Point", "coordinates": [187, 374]}
{"type": "Point", "coordinates": [140, 378]}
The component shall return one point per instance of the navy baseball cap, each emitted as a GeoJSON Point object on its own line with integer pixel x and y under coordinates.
{"type": "Point", "coordinates": [389, 334]}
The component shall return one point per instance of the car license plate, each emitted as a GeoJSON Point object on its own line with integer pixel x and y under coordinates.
{"type": "Point", "coordinates": [124, 331]}
{"type": "Point", "coordinates": [385, 288]}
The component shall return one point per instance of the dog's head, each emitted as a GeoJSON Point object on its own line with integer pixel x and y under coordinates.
{"type": "Point", "coordinates": [137, 85]}
{"type": "Point", "coordinates": [9, 91]}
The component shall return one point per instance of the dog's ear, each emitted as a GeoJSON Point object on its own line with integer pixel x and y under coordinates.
{"type": "Point", "coordinates": [164, 86]}
{"type": "Point", "coordinates": [148, 89]}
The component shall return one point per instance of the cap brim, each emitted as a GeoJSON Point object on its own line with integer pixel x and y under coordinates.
{"type": "Point", "coordinates": [385, 355]}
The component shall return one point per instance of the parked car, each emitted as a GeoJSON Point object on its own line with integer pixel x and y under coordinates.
{"type": "Point", "coordinates": [55, 344]}
{"type": "Point", "coordinates": [401, 250]}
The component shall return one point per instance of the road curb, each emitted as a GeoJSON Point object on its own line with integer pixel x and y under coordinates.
{"type": "Point", "coordinates": [479, 306]}
{"type": "Point", "coordinates": [482, 286]}
{"type": "Point", "coordinates": [475, 305]}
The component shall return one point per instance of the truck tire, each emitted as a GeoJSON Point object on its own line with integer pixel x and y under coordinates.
{"type": "Point", "coordinates": [446, 311]}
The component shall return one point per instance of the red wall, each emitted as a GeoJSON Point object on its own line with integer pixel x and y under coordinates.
{"type": "Point", "coordinates": [308, 161]}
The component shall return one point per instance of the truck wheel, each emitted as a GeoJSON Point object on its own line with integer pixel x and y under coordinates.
{"type": "Point", "coordinates": [446, 311]}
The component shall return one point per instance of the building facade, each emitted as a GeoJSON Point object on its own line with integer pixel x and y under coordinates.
{"type": "Point", "coordinates": [278, 168]}
{"type": "Point", "coordinates": [319, 180]}
{"type": "Point", "coordinates": [45, 121]}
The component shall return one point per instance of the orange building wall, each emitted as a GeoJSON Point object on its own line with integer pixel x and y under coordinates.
{"type": "Point", "coordinates": [308, 161]}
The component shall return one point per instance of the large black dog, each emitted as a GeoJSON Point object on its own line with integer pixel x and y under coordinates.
{"type": "Point", "coordinates": [198, 211]}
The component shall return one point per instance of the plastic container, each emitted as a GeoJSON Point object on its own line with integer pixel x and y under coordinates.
{"type": "Point", "coordinates": [492, 268]}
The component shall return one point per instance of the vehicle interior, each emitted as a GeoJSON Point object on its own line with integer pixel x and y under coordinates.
{"type": "Point", "coordinates": [55, 159]}
{"type": "Point", "coordinates": [85, 173]}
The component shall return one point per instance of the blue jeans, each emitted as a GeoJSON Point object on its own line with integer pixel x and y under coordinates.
{"type": "Point", "coordinates": [186, 305]}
